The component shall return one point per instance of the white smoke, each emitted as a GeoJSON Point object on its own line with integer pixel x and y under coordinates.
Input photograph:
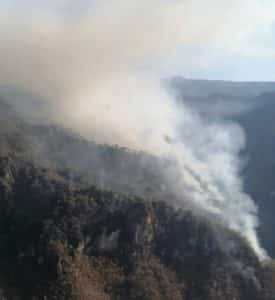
{"type": "Point", "coordinates": [90, 72]}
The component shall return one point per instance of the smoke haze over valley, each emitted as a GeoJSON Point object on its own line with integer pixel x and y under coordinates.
{"type": "Point", "coordinates": [86, 72]}
{"type": "Point", "coordinates": [83, 94]}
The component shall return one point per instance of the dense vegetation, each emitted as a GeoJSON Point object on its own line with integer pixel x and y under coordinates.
{"type": "Point", "coordinates": [62, 241]}
{"type": "Point", "coordinates": [85, 221]}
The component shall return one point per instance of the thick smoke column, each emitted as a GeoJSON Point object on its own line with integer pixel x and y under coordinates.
{"type": "Point", "coordinates": [89, 71]}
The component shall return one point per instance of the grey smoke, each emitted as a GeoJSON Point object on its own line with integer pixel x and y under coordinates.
{"type": "Point", "coordinates": [89, 73]}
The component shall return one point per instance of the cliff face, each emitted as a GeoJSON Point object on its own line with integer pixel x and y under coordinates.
{"type": "Point", "coordinates": [60, 240]}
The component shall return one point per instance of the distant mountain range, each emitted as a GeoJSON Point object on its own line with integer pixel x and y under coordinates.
{"type": "Point", "coordinates": [204, 88]}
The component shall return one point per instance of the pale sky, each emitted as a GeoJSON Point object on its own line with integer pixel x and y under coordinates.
{"type": "Point", "coordinates": [232, 40]}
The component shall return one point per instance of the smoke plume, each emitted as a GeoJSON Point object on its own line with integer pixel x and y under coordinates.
{"type": "Point", "coordinates": [91, 72]}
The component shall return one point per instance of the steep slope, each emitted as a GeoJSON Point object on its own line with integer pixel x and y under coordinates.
{"type": "Point", "coordinates": [63, 238]}
{"type": "Point", "coordinates": [60, 149]}
{"type": "Point", "coordinates": [60, 241]}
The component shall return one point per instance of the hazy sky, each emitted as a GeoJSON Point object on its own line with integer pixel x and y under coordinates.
{"type": "Point", "coordinates": [228, 39]}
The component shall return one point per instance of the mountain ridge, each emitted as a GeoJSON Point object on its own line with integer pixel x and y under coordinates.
{"type": "Point", "coordinates": [62, 237]}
